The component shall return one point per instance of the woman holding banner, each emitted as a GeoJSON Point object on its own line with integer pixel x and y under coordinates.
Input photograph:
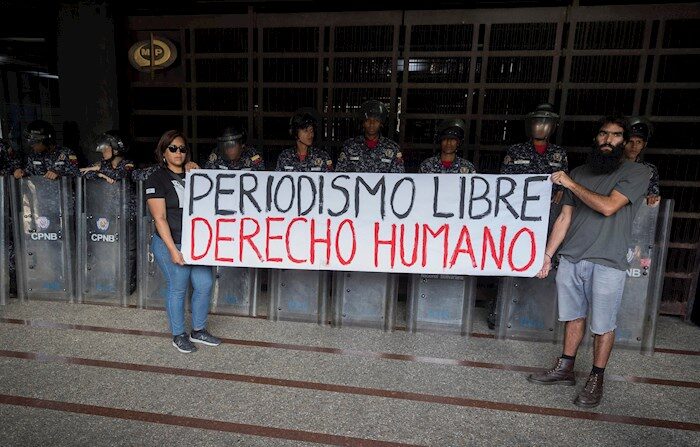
{"type": "Point", "coordinates": [165, 191]}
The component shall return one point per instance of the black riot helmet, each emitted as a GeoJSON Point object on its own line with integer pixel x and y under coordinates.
{"type": "Point", "coordinates": [115, 140]}
{"type": "Point", "coordinates": [373, 109]}
{"type": "Point", "coordinates": [231, 136]}
{"type": "Point", "coordinates": [541, 123]}
{"type": "Point", "coordinates": [40, 132]}
{"type": "Point", "coordinates": [451, 128]}
{"type": "Point", "coordinates": [641, 127]}
{"type": "Point", "coordinates": [303, 118]}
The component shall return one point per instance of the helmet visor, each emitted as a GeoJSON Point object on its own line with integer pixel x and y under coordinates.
{"type": "Point", "coordinates": [541, 128]}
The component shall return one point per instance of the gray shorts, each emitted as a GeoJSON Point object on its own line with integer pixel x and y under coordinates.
{"type": "Point", "coordinates": [585, 285]}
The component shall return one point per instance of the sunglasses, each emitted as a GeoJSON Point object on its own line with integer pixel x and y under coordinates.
{"type": "Point", "coordinates": [173, 149]}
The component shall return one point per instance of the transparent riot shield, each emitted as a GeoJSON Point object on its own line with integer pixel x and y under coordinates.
{"type": "Point", "coordinates": [236, 291]}
{"type": "Point", "coordinates": [152, 288]}
{"type": "Point", "coordinates": [5, 240]}
{"type": "Point", "coordinates": [528, 309]}
{"type": "Point", "coordinates": [441, 303]}
{"type": "Point", "coordinates": [636, 318]}
{"type": "Point", "coordinates": [105, 231]}
{"type": "Point", "coordinates": [298, 295]}
{"type": "Point", "coordinates": [43, 217]}
{"type": "Point", "coordinates": [365, 299]}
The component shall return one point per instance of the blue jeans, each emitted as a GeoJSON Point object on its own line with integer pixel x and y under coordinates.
{"type": "Point", "coordinates": [178, 278]}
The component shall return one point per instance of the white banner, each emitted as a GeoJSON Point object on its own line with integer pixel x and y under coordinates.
{"type": "Point", "coordinates": [415, 223]}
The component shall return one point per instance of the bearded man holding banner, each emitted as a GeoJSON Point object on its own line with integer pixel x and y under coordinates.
{"type": "Point", "coordinates": [594, 230]}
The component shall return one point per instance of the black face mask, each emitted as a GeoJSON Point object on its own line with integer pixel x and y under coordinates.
{"type": "Point", "coordinates": [601, 162]}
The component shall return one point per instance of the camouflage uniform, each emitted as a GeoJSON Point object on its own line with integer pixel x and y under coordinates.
{"type": "Point", "coordinates": [61, 160]}
{"type": "Point", "coordinates": [8, 159]}
{"type": "Point", "coordinates": [356, 156]}
{"type": "Point", "coordinates": [249, 160]}
{"type": "Point", "coordinates": [433, 165]}
{"type": "Point", "coordinates": [123, 170]}
{"type": "Point", "coordinates": [523, 159]}
{"type": "Point", "coordinates": [653, 189]}
{"type": "Point", "coordinates": [317, 160]}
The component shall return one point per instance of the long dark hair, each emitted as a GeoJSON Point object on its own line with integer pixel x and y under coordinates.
{"type": "Point", "coordinates": [165, 140]}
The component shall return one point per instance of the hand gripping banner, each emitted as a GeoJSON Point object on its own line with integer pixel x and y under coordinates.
{"type": "Point", "coordinates": [414, 223]}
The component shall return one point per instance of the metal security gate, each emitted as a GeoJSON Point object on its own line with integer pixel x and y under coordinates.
{"type": "Point", "coordinates": [106, 237]}
{"type": "Point", "coordinates": [487, 67]}
{"type": "Point", "coordinates": [441, 303]}
{"type": "Point", "coordinates": [43, 217]}
{"type": "Point", "coordinates": [298, 295]}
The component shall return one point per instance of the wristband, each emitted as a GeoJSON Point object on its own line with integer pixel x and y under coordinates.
{"type": "Point", "coordinates": [548, 255]}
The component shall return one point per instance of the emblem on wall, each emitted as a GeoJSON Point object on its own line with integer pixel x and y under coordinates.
{"type": "Point", "coordinates": [152, 54]}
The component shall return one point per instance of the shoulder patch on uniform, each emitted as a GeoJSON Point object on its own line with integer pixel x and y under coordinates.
{"type": "Point", "coordinates": [255, 158]}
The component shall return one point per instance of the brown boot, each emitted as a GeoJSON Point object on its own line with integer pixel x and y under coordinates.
{"type": "Point", "coordinates": [561, 374]}
{"type": "Point", "coordinates": [591, 394]}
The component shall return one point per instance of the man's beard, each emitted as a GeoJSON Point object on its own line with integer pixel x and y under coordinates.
{"type": "Point", "coordinates": [605, 162]}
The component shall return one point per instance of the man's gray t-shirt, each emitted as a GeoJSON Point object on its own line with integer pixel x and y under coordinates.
{"type": "Point", "coordinates": [594, 237]}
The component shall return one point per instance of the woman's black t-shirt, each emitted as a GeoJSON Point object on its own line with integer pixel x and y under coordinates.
{"type": "Point", "coordinates": [168, 185]}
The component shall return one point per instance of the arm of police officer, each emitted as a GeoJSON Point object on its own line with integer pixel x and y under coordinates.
{"type": "Point", "coordinates": [93, 168]}
{"type": "Point", "coordinates": [605, 205]}
{"type": "Point", "coordinates": [157, 208]}
{"type": "Point", "coordinates": [109, 180]}
{"type": "Point", "coordinates": [556, 237]}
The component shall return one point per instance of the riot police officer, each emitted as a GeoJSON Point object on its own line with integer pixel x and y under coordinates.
{"type": "Point", "coordinates": [46, 157]}
{"type": "Point", "coordinates": [640, 133]}
{"type": "Point", "coordinates": [449, 136]}
{"type": "Point", "coordinates": [304, 156]}
{"type": "Point", "coordinates": [371, 152]}
{"type": "Point", "coordinates": [538, 155]}
{"type": "Point", "coordinates": [113, 166]}
{"type": "Point", "coordinates": [232, 152]}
